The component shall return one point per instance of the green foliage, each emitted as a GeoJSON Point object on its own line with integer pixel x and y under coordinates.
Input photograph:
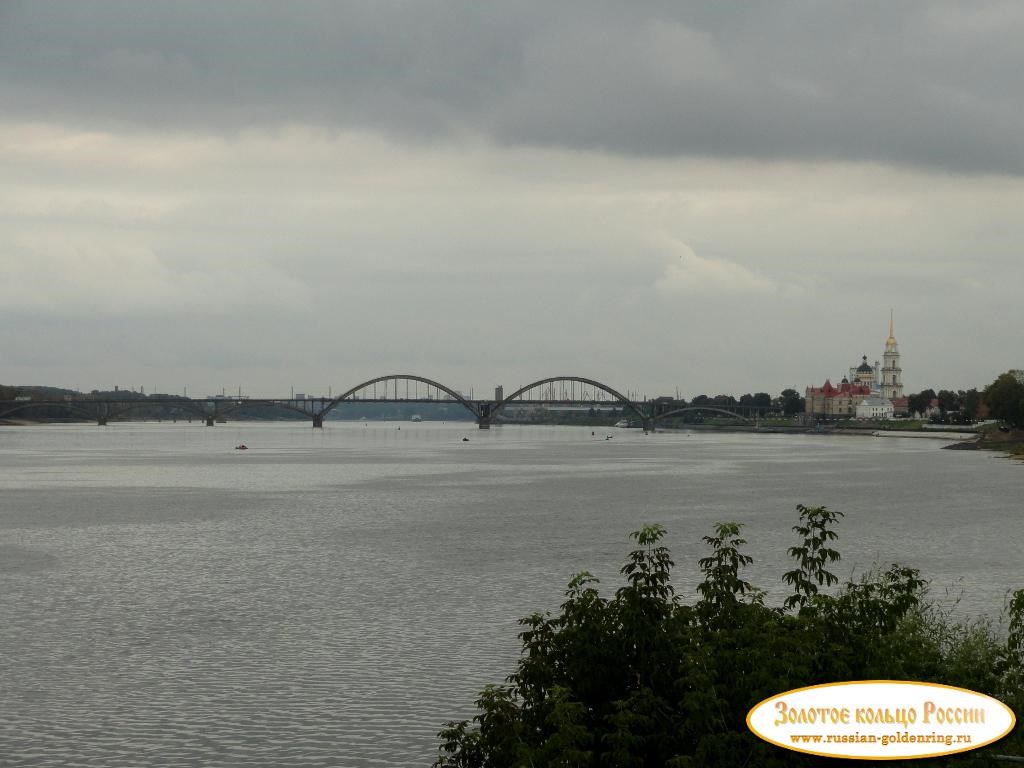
{"type": "Point", "coordinates": [645, 679]}
{"type": "Point", "coordinates": [970, 403]}
{"type": "Point", "coordinates": [920, 401]}
{"type": "Point", "coordinates": [1012, 663]}
{"type": "Point", "coordinates": [812, 555]}
{"type": "Point", "coordinates": [1005, 400]}
{"type": "Point", "coordinates": [757, 400]}
{"type": "Point", "coordinates": [792, 403]}
{"type": "Point", "coordinates": [959, 407]}
{"type": "Point", "coordinates": [1015, 641]}
{"type": "Point", "coordinates": [722, 583]}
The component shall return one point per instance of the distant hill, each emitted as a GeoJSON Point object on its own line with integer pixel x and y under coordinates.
{"type": "Point", "coordinates": [47, 392]}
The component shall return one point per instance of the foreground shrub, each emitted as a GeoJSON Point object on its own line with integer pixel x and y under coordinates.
{"type": "Point", "coordinates": [646, 679]}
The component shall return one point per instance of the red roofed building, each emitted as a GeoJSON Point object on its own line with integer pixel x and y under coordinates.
{"type": "Point", "coordinates": [835, 402]}
{"type": "Point", "coordinates": [841, 402]}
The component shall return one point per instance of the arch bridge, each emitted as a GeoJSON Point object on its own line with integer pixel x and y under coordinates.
{"type": "Point", "coordinates": [567, 392]}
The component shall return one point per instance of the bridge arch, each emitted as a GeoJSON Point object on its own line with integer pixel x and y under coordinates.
{"type": "Point", "coordinates": [345, 397]}
{"type": "Point", "coordinates": [579, 379]}
{"type": "Point", "coordinates": [691, 408]}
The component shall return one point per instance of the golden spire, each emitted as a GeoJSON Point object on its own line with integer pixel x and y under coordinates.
{"type": "Point", "coordinates": [891, 341]}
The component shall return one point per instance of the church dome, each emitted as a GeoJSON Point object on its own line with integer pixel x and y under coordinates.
{"type": "Point", "coordinates": [864, 367]}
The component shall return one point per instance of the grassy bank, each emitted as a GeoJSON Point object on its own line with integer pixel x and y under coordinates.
{"type": "Point", "coordinates": [994, 439]}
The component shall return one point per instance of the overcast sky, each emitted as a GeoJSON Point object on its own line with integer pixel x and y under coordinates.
{"type": "Point", "coordinates": [714, 197]}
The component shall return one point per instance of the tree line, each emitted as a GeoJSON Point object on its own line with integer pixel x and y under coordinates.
{"type": "Point", "coordinates": [788, 402]}
{"type": "Point", "coordinates": [1003, 399]}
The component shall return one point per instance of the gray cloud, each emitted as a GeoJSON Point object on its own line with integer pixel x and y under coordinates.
{"type": "Point", "coordinates": [929, 84]}
{"type": "Point", "coordinates": [224, 194]}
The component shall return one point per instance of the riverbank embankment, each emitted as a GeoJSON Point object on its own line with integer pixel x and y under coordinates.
{"type": "Point", "coordinates": [1010, 442]}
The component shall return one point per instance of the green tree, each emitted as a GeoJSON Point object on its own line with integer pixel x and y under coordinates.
{"type": "Point", "coordinates": [920, 402]}
{"type": "Point", "coordinates": [812, 555]}
{"type": "Point", "coordinates": [1005, 400]}
{"type": "Point", "coordinates": [970, 403]}
{"type": "Point", "coordinates": [645, 679]}
{"type": "Point", "coordinates": [722, 585]}
{"type": "Point", "coordinates": [792, 403]}
{"type": "Point", "coordinates": [949, 402]}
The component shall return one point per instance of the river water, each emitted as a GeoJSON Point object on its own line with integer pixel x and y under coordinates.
{"type": "Point", "coordinates": [331, 597]}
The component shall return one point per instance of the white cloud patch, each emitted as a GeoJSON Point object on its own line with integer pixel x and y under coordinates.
{"type": "Point", "coordinates": [690, 274]}
{"type": "Point", "coordinates": [58, 276]}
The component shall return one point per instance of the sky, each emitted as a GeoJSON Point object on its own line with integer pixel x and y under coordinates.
{"type": "Point", "coordinates": [663, 196]}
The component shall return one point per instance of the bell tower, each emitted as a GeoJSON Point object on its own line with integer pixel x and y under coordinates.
{"type": "Point", "coordinates": [892, 374]}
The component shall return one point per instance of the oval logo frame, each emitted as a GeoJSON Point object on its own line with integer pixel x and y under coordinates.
{"type": "Point", "coordinates": [880, 720]}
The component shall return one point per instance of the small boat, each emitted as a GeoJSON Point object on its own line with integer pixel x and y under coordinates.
{"type": "Point", "coordinates": [242, 447]}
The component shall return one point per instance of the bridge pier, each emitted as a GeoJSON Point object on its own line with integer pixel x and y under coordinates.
{"type": "Point", "coordinates": [318, 421]}
{"type": "Point", "coordinates": [484, 410]}
{"type": "Point", "coordinates": [209, 421]}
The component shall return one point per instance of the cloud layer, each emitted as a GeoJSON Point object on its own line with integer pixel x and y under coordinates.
{"type": "Point", "coordinates": [932, 85]}
{"type": "Point", "coordinates": [692, 195]}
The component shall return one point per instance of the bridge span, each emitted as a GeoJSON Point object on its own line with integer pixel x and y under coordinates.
{"type": "Point", "coordinates": [551, 392]}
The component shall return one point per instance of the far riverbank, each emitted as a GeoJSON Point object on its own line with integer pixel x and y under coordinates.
{"type": "Point", "coordinates": [1011, 443]}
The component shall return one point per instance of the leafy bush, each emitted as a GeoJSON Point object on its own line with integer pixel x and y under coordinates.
{"type": "Point", "coordinates": [645, 679]}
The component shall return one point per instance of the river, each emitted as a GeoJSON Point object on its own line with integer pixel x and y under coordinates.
{"type": "Point", "coordinates": [331, 597]}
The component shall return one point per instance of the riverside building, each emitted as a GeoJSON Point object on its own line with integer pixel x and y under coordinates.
{"type": "Point", "coordinates": [879, 388]}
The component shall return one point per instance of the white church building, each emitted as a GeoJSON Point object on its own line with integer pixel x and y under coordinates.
{"type": "Point", "coordinates": [870, 392]}
{"type": "Point", "coordinates": [874, 406]}
{"type": "Point", "coordinates": [887, 396]}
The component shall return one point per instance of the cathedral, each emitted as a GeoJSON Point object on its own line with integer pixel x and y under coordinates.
{"type": "Point", "coordinates": [891, 383]}
{"type": "Point", "coordinates": [868, 392]}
